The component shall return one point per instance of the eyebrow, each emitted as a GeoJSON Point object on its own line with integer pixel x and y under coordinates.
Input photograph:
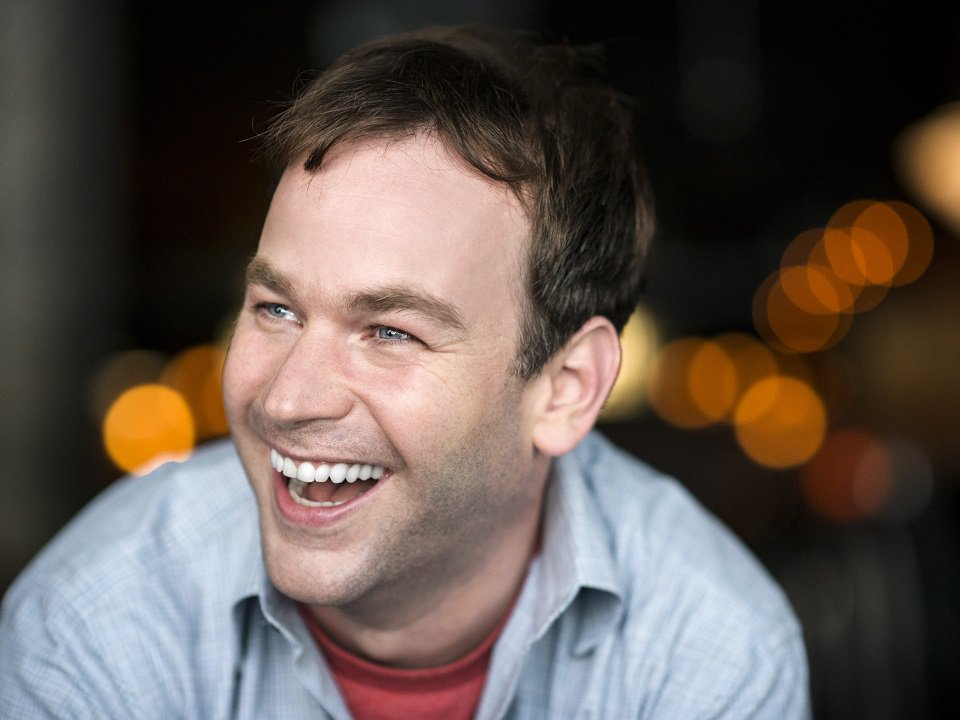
{"type": "Point", "coordinates": [394, 298]}
{"type": "Point", "coordinates": [389, 298]}
{"type": "Point", "coordinates": [260, 272]}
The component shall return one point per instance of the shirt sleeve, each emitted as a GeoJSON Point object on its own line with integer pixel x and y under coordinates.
{"type": "Point", "coordinates": [733, 674]}
{"type": "Point", "coordinates": [776, 686]}
{"type": "Point", "coordinates": [766, 682]}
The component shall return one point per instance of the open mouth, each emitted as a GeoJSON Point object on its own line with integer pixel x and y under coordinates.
{"type": "Point", "coordinates": [323, 484]}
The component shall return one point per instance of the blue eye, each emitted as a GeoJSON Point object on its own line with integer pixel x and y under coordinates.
{"type": "Point", "coordinates": [276, 311]}
{"type": "Point", "coordinates": [392, 334]}
{"type": "Point", "coordinates": [280, 311]}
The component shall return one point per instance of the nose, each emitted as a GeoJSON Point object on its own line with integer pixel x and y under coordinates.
{"type": "Point", "coordinates": [310, 382]}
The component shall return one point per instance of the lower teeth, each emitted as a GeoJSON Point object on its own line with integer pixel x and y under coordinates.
{"type": "Point", "coordinates": [309, 503]}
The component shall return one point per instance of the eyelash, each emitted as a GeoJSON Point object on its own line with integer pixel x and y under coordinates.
{"type": "Point", "coordinates": [269, 310]}
{"type": "Point", "coordinates": [407, 337]}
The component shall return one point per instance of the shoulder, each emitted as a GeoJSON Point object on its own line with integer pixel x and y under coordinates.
{"type": "Point", "coordinates": [706, 613]}
{"type": "Point", "coordinates": [663, 539]}
{"type": "Point", "coordinates": [120, 587]}
{"type": "Point", "coordinates": [141, 528]}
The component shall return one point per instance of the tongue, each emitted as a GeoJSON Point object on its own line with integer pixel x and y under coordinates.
{"type": "Point", "coordinates": [328, 491]}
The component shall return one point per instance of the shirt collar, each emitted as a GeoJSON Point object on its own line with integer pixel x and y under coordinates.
{"type": "Point", "coordinates": [576, 561]}
{"type": "Point", "coordinates": [253, 584]}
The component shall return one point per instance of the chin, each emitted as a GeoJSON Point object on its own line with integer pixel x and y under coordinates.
{"type": "Point", "coordinates": [309, 575]}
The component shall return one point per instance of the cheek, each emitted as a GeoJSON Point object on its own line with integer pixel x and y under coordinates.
{"type": "Point", "coordinates": [244, 371]}
{"type": "Point", "coordinates": [403, 407]}
{"type": "Point", "coordinates": [428, 415]}
{"type": "Point", "coordinates": [415, 407]}
{"type": "Point", "coordinates": [232, 380]}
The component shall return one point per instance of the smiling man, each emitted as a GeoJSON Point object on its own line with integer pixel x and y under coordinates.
{"type": "Point", "coordinates": [429, 330]}
{"type": "Point", "coordinates": [370, 390]}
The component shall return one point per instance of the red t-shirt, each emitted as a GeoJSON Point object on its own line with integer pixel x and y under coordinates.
{"type": "Point", "coordinates": [377, 692]}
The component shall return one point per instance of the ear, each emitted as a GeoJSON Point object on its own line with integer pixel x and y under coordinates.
{"type": "Point", "coordinates": [577, 381]}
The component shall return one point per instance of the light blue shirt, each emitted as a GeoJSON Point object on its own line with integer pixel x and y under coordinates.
{"type": "Point", "coordinates": [154, 603]}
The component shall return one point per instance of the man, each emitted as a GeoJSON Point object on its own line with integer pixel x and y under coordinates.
{"type": "Point", "coordinates": [429, 331]}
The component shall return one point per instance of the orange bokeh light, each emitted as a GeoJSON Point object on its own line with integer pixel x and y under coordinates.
{"type": "Point", "coordinates": [752, 361]}
{"type": "Point", "coordinates": [886, 243]}
{"type": "Point", "coordinates": [145, 424]}
{"type": "Point", "coordinates": [850, 477]}
{"type": "Point", "coordinates": [816, 289]}
{"type": "Point", "coordinates": [780, 422]}
{"type": "Point", "coordinates": [920, 240]}
{"type": "Point", "coordinates": [712, 380]}
{"type": "Point", "coordinates": [196, 374]}
{"type": "Point", "coordinates": [696, 382]}
{"type": "Point", "coordinates": [789, 327]}
{"type": "Point", "coordinates": [858, 256]}
{"type": "Point", "coordinates": [882, 220]}
{"type": "Point", "coordinates": [668, 385]}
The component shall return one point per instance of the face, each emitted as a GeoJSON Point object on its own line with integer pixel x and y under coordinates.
{"type": "Point", "coordinates": [376, 341]}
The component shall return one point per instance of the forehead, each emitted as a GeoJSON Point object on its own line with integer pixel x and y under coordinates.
{"type": "Point", "coordinates": [399, 213]}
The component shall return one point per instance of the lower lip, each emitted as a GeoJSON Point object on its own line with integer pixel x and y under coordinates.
{"type": "Point", "coordinates": [297, 514]}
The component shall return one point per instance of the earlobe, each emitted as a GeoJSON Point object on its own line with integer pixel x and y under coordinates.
{"type": "Point", "coordinates": [579, 379]}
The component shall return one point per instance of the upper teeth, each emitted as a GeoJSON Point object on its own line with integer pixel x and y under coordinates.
{"type": "Point", "coordinates": [337, 472]}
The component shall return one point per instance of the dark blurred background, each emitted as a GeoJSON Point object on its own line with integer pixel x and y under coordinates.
{"type": "Point", "coordinates": [130, 200]}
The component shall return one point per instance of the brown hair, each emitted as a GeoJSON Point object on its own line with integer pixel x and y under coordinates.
{"type": "Point", "coordinates": [521, 113]}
